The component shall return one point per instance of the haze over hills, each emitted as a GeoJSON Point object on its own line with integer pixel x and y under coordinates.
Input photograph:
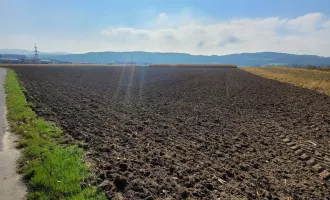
{"type": "Point", "coordinates": [243, 59]}
{"type": "Point", "coordinates": [27, 52]}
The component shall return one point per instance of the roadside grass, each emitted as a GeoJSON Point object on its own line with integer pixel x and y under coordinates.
{"type": "Point", "coordinates": [51, 170]}
{"type": "Point", "coordinates": [307, 78]}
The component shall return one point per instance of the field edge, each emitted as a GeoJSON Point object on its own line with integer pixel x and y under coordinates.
{"type": "Point", "coordinates": [298, 80]}
{"type": "Point", "coordinates": [50, 168]}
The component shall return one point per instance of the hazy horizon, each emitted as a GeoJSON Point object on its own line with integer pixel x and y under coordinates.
{"type": "Point", "coordinates": [13, 51]}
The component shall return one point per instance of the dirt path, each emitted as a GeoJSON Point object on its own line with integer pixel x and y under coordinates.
{"type": "Point", "coordinates": [11, 187]}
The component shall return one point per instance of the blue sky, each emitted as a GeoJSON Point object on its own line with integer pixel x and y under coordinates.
{"type": "Point", "coordinates": [100, 25]}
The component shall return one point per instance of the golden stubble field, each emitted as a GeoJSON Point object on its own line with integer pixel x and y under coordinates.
{"type": "Point", "coordinates": [307, 78]}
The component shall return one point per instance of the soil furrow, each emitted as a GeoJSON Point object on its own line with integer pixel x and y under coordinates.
{"type": "Point", "coordinates": [189, 132]}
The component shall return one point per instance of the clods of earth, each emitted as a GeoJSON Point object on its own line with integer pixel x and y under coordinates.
{"type": "Point", "coordinates": [189, 133]}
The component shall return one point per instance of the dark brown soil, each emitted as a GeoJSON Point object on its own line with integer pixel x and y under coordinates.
{"type": "Point", "coordinates": [176, 133]}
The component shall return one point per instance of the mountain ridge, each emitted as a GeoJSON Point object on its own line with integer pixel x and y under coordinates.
{"type": "Point", "coordinates": [241, 59]}
{"type": "Point", "coordinates": [27, 52]}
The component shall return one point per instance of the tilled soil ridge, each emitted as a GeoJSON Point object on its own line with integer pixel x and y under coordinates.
{"type": "Point", "coordinates": [190, 133]}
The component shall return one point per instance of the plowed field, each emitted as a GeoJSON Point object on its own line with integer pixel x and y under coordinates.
{"type": "Point", "coordinates": [177, 133]}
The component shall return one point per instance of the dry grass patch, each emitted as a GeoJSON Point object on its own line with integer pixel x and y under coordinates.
{"type": "Point", "coordinates": [307, 78]}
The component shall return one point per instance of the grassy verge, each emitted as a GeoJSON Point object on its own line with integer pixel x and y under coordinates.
{"type": "Point", "coordinates": [313, 79]}
{"type": "Point", "coordinates": [51, 170]}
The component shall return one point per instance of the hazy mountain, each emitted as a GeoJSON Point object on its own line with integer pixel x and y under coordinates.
{"type": "Point", "coordinates": [243, 59]}
{"type": "Point", "coordinates": [15, 51]}
{"type": "Point", "coordinates": [27, 52]}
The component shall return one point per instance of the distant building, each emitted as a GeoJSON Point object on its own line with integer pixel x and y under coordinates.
{"type": "Point", "coordinates": [46, 62]}
{"type": "Point", "coordinates": [119, 62]}
{"type": "Point", "coordinates": [10, 60]}
{"type": "Point", "coordinates": [63, 62]}
{"type": "Point", "coordinates": [29, 61]}
{"type": "Point", "coordinates": [13, 56]}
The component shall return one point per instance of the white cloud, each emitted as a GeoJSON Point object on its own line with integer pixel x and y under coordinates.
{"type": "Point", "coordinates": [326, 24]}
{"type": "Point", "coordinates": [308, 34]}
{"type": "Point", "coordinates": [162, 17]}
{"type": "Point", "coordinates": [307, 23]}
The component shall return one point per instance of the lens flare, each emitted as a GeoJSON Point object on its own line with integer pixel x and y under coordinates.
{"type": "Point", "coordinates": [119, 82]}
{"type": "Point", "coordinates": [130, 84]}
{"type": "Point", "coordinates": [141, 84]}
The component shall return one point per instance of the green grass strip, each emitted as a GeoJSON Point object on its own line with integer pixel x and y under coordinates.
{"type": "Point", "coordinates": [51, 170]}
